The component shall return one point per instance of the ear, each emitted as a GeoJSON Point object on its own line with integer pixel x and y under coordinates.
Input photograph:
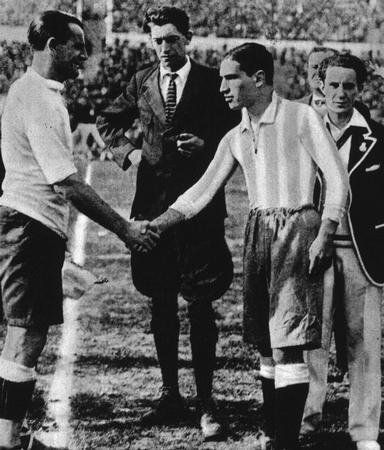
{"type": "Point", "coordinates": [259, 78]}
{"type": "Point", "coordinates": [51, 44]}
{"type": "Point", "coordinates": [321, 86]}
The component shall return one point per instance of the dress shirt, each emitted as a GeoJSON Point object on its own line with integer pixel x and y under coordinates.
{"type": "Point", "coordinates": [37, 150]}
{"type": "Point", "coordinates": [279, 161]}
{"type": "Point", "coordinates": [180, 80]}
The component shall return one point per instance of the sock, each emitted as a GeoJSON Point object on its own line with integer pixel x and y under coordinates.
{"type": "Point", "coordinates": [16, 387]}
{"type": "Point", "coordinates": [292, 385]}
{"type": "Point", "coordinates": [267, 377]}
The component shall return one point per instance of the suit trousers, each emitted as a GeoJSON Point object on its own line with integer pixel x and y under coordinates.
{"type": "Point", "coordinates": [360, 302]}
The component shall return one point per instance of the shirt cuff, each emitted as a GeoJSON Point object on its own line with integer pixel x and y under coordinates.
{"type": "Point", "coordinates": [184, 207]}
{"type": "Point", "coordinates": [333, 212]}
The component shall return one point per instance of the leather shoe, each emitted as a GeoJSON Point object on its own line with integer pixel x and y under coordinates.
{"type": "Point", "coordinates": [169, 409]}
{"type": "Point", "coordinates": [211, 428]}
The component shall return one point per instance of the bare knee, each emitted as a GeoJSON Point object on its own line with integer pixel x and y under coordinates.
{"type": "Point", "coordinates": [24, 345]}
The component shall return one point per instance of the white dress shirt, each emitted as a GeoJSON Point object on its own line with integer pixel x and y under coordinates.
{"type": "Point", "coordinates": [180, 80]}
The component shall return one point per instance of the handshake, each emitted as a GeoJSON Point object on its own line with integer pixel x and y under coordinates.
{"type": "Point", "coordinates": [141, 236]}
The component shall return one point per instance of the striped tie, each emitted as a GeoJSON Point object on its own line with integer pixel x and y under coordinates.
{"type": "Point", "coordinates": [170, 102]}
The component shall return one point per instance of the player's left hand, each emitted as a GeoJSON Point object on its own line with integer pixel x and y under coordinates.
{"type": "Point", "coordinates": [320, 254]}
{"type": "Point", "coordinates": [189, 144]}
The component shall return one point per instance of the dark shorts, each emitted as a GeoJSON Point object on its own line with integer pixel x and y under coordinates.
{"type": "Point", "coordinates": [31, 259]}
{"type": "Point", "coordinates": [282, 302]}
{"type": "Point", "coordinates": [197, 265]}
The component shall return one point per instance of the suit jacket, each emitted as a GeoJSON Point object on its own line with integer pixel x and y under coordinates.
{"type": "Point", "coordinates": [164, 173]}
{"type": "Point", "coordinates": [366, 212]}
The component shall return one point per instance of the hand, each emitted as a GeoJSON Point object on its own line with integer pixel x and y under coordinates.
{"type": "Point", "coordinates": [139, 237]}
{"type": "Point", "coordinates": [376, 69]}
{"type": "Point", "coordinates": [135, 157]}
{"type": "Point", "coordinates": [188, 143]}
{"type": "Point", "coordinates": [320, 254]}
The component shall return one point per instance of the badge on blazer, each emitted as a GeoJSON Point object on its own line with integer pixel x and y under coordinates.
{"type": "Point", "coordinates": [363, 147]}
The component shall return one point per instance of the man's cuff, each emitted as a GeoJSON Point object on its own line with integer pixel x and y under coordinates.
{"type": "Point", "coordinates": [334, 213]}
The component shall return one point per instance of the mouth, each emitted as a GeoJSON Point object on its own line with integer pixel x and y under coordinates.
{"type": "Point", "coordinates": [228, 98]}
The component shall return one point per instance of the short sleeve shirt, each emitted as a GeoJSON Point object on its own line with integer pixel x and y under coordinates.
{"type": "Point", "coordinates": [37, 150]}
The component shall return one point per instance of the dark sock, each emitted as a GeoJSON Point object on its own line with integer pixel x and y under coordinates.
{"type": "Point", "coordinates": [15, 399]}
{"type": "Point", "coordinates": [290, 402]}
{"type": "Point", "coordinates": [268, 387]}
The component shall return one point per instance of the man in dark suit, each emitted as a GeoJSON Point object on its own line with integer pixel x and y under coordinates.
{"type": "Point", "coordinates": [359, 242]}
{"type": "Point", "coordinates": [183, 117]}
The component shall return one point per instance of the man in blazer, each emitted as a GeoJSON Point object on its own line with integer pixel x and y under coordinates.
{"type": "Point", "coordinates": [183, 117]}
{"type": "Point", "coordinates": [359, 241]}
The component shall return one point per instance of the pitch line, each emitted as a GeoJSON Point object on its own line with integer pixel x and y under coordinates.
{"type": "Point", "coordinates": [59, 398]}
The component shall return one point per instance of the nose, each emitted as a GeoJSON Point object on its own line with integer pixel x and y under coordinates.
{"type": "Point", "coordinates": [223, 86]}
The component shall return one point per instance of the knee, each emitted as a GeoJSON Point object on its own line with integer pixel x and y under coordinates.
{"type": "Point", "coordinates": [23, 345]}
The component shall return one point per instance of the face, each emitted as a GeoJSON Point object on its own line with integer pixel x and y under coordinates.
{"type": "Point", "coordinates": [237, 87]}
{"type": "Point", "coordinates": [69, 57]}
{"type": "Point", "coordinates": [340, 89]}
{"type": "Point", "coordinates": [169, 45]}
{"type": "Point", "coordinates": [313, 67]}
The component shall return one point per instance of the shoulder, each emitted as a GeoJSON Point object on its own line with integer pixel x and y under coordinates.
{"type": "Point", "coordinates": [377, 129]}
{"type": "Point", "coordinates": [208, 73]}
{"type": "Point", "coordinates": [141, 75]}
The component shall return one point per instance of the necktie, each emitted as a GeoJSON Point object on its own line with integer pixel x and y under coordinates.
{"type": "Point", "coordinates": [170, 101]}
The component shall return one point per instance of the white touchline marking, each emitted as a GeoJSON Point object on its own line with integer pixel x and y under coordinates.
{"type": "Point", "coordinates": [59, 398]}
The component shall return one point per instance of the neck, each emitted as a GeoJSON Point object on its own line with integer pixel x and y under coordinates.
{"type": "Point", "coordinates": [177, 67]}
{"type": "Point", "coordinates": [340, 119]}
{"type": "Point", "coordinates": [262, 102]}
{"type": "Point", "coordinates": [42, 64]}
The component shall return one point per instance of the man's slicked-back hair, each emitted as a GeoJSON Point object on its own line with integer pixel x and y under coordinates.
{"type": "Point", "coordinates": [164, 15]}
{"type": "Point", "coordinates": [347, 61]}
{"type": "Point", "coordinates": [323, 50]}
{"type": "Point", "coordinates": [253, 57]}
{"type": "Point", "coordinates": [51, 24]}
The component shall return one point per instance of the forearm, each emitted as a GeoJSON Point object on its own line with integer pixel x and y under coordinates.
{"type": "Point", "coordinates": [327, 229]}
{"type": "Point", "coordinates": [88, 202]}
{"type": "Point", "coordinates": [168, 219]}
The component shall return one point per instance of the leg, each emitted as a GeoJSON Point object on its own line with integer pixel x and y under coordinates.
{"type": "Point", "coordinates": [203, 337]}
{"type": "Point", "coordinates": [21, 351]}
{"type": "Point", "coordinates": [267, 378]}
{"type": "Point", "coordinates": [362, 313]}
{"type": "Point", "coordinates": [165, 329]}
{"type": "Point", "coordinates": [317, 361]}
{"type": "Point", "coordinates": [291, 390]}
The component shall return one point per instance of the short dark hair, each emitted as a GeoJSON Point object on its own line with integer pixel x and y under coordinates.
{"type": "Point", "coordinates": [323, 50]}
{"type": "Point", "coordinates": [167, 14]}
{"type": "Point", "coordinates": [253, 57]}
{"type": "Point", "coordinates": [347, 61]}
{"type": "Point", "coordinates": [50, 24]}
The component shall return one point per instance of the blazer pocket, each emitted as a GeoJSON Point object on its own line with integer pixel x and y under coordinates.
{"type": "Point", "coordinates": [373, 168]}
{"type": "Point", "coordinates": [379, 226]}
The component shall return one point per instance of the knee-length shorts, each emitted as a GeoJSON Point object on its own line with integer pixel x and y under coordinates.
{"type": "Point", "coordinates": [282, 302]}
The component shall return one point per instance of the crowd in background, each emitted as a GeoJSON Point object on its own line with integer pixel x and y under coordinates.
{"type": "Point", "coordinates": [274, 19]}
{"type": "Point", "coordinates": [121, 60]}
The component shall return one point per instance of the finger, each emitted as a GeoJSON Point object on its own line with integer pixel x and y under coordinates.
{"type": "Point", "coordinates": [185, 152]}
{"type": "Point", "coordinates": [185, 136]}
{"type": "Point", "coordinates": [311, 265]}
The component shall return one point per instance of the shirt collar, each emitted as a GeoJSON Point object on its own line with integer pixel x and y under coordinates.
{"type": "Point", "coordinates": [357, 120]}
{"type": "Point", "coordinates": [183, 72]}
{"type": "Point", "coordinates": [268, 116]}
{"type": "Point", "coordinates": [51, 84]}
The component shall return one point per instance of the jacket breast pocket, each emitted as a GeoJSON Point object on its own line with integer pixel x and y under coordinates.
{"type": "Point", "coordinates": [372, 168]}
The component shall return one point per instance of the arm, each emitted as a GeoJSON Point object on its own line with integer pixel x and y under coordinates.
{"type": "Point", "coordinates": [88, 202]}
{"type": "Point", "coordinates": [323, 150]}
{"type": "Point", "coordinates": [200, 194]}
{"type": "Point", "coordinates": [114, 121]}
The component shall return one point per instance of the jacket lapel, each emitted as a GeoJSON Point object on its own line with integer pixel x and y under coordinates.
{"type": "Point", "coordinates": [152, 95]}
{"type": "Point", "coordinates": [361, 145]}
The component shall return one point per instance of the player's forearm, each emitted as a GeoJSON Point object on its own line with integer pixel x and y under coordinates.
{"type": "Point", "coordinates": [327, 229]}
{"type": "Point", "coordinates": [168, 219]}
{"type": "Point", "coordinates": [89, 203]}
